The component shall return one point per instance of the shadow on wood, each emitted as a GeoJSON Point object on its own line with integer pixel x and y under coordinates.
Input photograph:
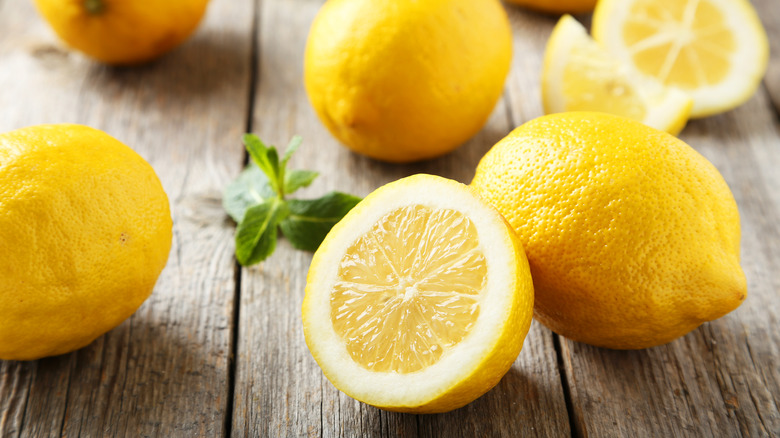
{"type": "Point", "coordinates": [76, 391]}
{"type": "Point", "coordinates": [500, 412]}
{"type": "Point", "coordinates": [206, 67]}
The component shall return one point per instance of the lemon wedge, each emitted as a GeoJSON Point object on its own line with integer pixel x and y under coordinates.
{"type": "Point", "coordinates": [419, 299]}
{"type": "Point", "coordinates": [579, 75]}
{"type": "Point", "coordinates": [714, 50]}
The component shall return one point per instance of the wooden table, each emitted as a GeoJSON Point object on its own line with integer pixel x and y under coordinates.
{"type": "Point", "coordinates": [218, 350]}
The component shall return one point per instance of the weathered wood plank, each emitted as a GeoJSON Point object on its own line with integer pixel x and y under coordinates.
{"type": "Point", "coordinates": [721, 380]}
{"type": "Point", "coordinates": [14, 388]}
{"type": "Point", "coordinates": [284, 392]}
{"type": "Point", "coordinates": [529, 400]}
{"type": "Point", "coordinates": [164, 372]}
{"type": "Point", "coordinates": [278, 394]}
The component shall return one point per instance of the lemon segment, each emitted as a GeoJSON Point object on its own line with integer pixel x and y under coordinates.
{"type": "Point", "coordinates": [579, 75]}
{"type": "Point", "coordinates": [715, 50]}
{"type": "Point", "coordinates": [419, 299]}
{"type": "Point", "coordinates": [399, 311]}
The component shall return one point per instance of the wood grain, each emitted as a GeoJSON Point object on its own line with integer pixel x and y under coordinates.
{"type": "Point", "coordinates": [164, 372]}
{"type": "Point", "coordinates": [721, 379]}
{"type": "Point", "coordinates": [167, 371]}
{"type": "Point", "coordinates": [286, 393]}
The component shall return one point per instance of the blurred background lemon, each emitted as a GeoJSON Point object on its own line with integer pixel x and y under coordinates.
{"type": "Point", "coordinates": [716, 51]}
{"type": "Point", "coordinates": [405, 80]}
{"type": "Point", "coordinates": [123, 32]}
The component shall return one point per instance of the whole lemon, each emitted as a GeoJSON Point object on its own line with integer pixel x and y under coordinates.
{"type": "Point", "coordinates": [406, 80]}
{"type": "Point", "coordinates": [123, 32]}
{"type": "Point", "coordinates": [632, 236]}
{"type": "Point", "coordinates": [85, 230]}
{"type": "Point", "coordinates": [557, 6]}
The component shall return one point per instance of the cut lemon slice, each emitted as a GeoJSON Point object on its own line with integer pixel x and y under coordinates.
{"type": "Point", "coordinates": [419, 299]}
{"type": "Point", "coordinates": [714, 50]}
{"type": "Point", "coordinates": [579, 75]}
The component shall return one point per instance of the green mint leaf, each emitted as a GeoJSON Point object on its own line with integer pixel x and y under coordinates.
{"type": "Point", "coordinates": [291, 148]}
{"type": "Point", "coordinates": [257, 232]}
{"type": "Point", "coordinates": [309, 221]}
{"type": "Point", "coordinates": [266, 158]}
{"type": "Point", "coordinates": [256, 201]}
{"type": "Point", "coordinates": [295, 179]}
{"type": "Point", "coordinates": [250, 188]}
{"type": "Point", "coordinates": [258, 151]}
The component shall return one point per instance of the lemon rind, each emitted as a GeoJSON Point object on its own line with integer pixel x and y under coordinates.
{"type": "Point", "coordinates": [498, 307]}
{"type": "Point", "coordinates": [667, 109]}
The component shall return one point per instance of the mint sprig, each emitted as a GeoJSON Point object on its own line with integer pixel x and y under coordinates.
{"type": "Point", "coordinates": [256, 200]}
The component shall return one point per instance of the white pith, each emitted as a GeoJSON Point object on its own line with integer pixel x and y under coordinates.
{"type": "Point", "coordinates": [417, 388]}
{"type": "Point", "coordinates": [748, 61]}
{"type": "Point", "coordinates": [664, 107]}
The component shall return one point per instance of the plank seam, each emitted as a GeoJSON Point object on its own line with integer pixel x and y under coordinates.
{"type": "Point", "coordinates": [233, 353]}
{"type": "Point", "coordinates": [128, 354]}
{"type": "Point", "coordinates": [74, 361]}
{"type": "Point", "coordinates": [27, 400]}
{"type": "Point", "coordinates": [573, 429]}
{"type": "Point", "coordinates": [508, 109]}
{"type": "Point", "coordinates": [254, 59]}
{"type": "Point", "coordinates": [254, 69]}
{"type": "Point", "coordinates": [773, 106]}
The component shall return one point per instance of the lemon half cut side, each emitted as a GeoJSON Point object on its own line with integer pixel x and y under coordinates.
{"type": "Point", "coordinates": [419, 299]}
{"type": "Point", "coordinates": [579, 75]}
{"type": "Point", "coordinates": [715, 50]}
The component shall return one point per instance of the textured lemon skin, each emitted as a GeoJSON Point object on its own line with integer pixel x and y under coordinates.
{"type": "Point", "coordinates": [557, 6]}
{"type": "Point", "coordinates": [516, 320]}
{"type": "Point", "coordinates": [632, 236]}
{"type": "Point", "coordinates": [85, 230]}
{"type": "Point", "coordinates": [405, 80]}
{"type": "Point", "coordinates": [123, 32]}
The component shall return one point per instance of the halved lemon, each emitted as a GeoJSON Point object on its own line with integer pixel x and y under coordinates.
{"type": "Point", "coordinates": [419, 299]}
{"type": "Point", "coordinates": [579, 75]}
{"type": "Point", "coordinates": [714, 50]}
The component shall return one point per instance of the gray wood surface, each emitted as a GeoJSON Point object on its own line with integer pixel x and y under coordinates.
{"type": "Point", "coordinates": [165, 371]}
{"type": "Point", "coordinates": [218, 350]}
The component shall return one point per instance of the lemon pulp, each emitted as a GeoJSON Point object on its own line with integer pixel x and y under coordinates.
{"type": "Point", "coordinates": [692, 38]}
{"type": "Point", "coordinates": [401, 310]}
{"type": "Point", "coordinates": [604, 87]}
